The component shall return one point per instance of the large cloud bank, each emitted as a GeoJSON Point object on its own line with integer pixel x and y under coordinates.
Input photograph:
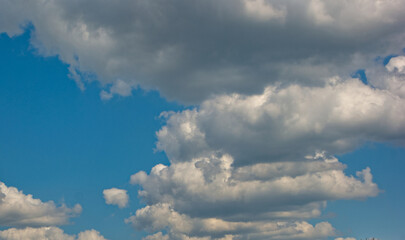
{"type": "Point", "coordinates": [258, 166]}
{"type": "Point", "coordinates": [275, 101]}
{"type": "Point", "coordinates": [189, 50]}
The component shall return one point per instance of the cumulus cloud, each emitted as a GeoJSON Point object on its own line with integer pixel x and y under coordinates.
{"type": "Point", "coordinates": [19, 209]}
{"type": "Point", "coordinates": [390, 77]}
{"type": "Point", "coordinates": [189, 50]}
{"type": "Point", "coordinates": [286, 123]}
{"type": "Point", "coordinates": [115, 196]}
{"type": "Point", "coordinates": [181, 226]}
{"type": "Point", "coordinates": [259, 166]}
{"type": "Point", "coordinates": [208, 197]}
{"type": "Point", "coordinates": [254, 159]}
{"type": "Point", "coordinates": [47, 233]}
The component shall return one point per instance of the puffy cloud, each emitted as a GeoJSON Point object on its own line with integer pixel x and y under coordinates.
{"type": "Point", "coordinates": [157, 236]}
{"type": "Point", "coordinates": [396, 63]}
{"type": "Point", "coordinates": [253, 161]}
{"type": "Point", "coordinates": [19, 209]}
{"type": "Point", "coordinates": [258, 166]}
{"type": "Point", "coordinates": [90, 235]}
{"type": "Point", "coordinates": [47, 233]}
{"type": "Point", "coordinates": [211, 187]}
{"type": "Point", "coordinates": [285, 123]}
{"type": "Point", "coordinates": [390, 77]}
{"type": "Point", "coordinates": [209, 198]}
{"type": "Point", "coordinates": [115, 196]}
{"type": "Point", "coordinates": [189, 50]}
{"type": "Point", "coordinates": [160, 216]}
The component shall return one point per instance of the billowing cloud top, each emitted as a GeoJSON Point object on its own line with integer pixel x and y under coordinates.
{"type": "Point", "coordinates": [189, 50]}
{"type": "Point", "coordinates": [18, 209]}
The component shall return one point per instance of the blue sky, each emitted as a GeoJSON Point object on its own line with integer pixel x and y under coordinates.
{"type": "Point", "coordinates": [252, 130]}
{"type": "Point", "coordinates": [63, 144]}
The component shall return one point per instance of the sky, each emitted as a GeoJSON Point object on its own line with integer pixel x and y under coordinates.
{"type": "Point", "coordinates": [202, 120]}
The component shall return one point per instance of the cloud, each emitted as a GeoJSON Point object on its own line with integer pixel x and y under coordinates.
{"type": "Point", "coordinates": [396, 63]}
{"type": "Point", "coordinates": [18, 209]}
{"type": "Point", "coordinates": [160, 216]}
{"type": "Point", "coordinates": [254, 159]}
{"type": "Point", "coordinates": [390, 77]}
{"type": "Point", "coordinates": [47, 233]}
{"type": "Point", "coordinates": [208, 197]}
{"type": "Point", "coordinates": [263, 10]}
{"type": "Point", "coordinates": [90, 235]}
{"type": "Point", "coordinates": [259, 166]}
{"type": "Point", "coordinates": [115, 196]}
{"type": "Point", "coordinates": [349, 238]}
{"type": "Point", "coordinates": [286, 123]}
{"type": "Point", "coordinates": [191, 50]}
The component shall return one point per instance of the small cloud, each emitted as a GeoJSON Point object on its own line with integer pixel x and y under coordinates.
{"type": "Point", "coordinates": [105, 95]}
{"type": "Point", "coordinates": [119, 87]}
{"type": "Point", "coordinates": [115, 196]}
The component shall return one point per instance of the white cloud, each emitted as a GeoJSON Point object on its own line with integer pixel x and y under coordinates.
{"type": "Point", "coordinates": [286, 123]}
{"type": "Point", "coordinates": [390, 77]}
{"type": "Point", "coordinates": [47, 233]}
{"type": "Point", "coordinates": [158, 47]}
{"type": "Point", "coordinates": [115, 196]}
{"type": "Point", "coordinates": [208, 197]}
{"type": "Point", "coordinates": [396, 63]}
{"type": "Point", "coordinates": [19, 209]}
{"type": "Point", "coordinates": [90, 235]}
{"type": "Point", "coordinates": [160, 216]}
{"type": "Point", "coordinates": [157, 236]}
{"type": "Point", "coordinates": [243, 161]}
{"type": "Point", "coordinates": [253, 160]}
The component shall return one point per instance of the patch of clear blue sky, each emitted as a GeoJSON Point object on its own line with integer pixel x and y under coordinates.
{"type": "Point", "coordinates": [59, 143]}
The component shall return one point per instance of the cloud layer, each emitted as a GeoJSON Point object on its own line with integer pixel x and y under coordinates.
{"type": "Point", "coordinates": [190, 50]}
{"type": "Point", "coordinates": [18, 209]}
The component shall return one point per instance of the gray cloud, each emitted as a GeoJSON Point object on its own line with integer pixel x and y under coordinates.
{"type": "Point", "coordinates": [190, 50]}
{"type": "Point", "coordinates": [18, 209]}
{"type": "Point", "coordinates": [255, 159]}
